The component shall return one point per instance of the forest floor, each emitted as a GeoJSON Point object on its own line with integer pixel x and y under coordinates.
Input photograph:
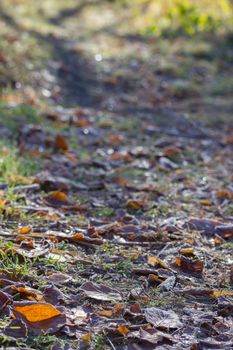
{"type": "Point", "coordinates": [116, 195]}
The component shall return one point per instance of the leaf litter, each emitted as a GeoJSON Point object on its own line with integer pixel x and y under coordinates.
{"type": "Point", "coordinates": [123, 235]}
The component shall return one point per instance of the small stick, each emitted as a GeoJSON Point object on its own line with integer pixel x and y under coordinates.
{"type": "Point", "coordinates": [113, 347]}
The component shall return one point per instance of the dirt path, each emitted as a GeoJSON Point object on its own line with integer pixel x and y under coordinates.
{"type": "Point", "coordinates": [122, 236]}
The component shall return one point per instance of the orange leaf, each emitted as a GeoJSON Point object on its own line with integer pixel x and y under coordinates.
{"type": "Point", "coordinates": [61, 143]}
{"type": "Point", "coordinates": [206, 202]}
{"type": "Point", "coordinates": [186, 251]}
{"type": "Point", "coordinates": [37, 312]}
{"type": "Point", "coordinates": [122, 329]}
{"type": "Point", "coordinates": [57, 198]}
{"type": "Point", "coordinates": [24, 230]}
{"type": "Point", "coordinates": [225, 194]}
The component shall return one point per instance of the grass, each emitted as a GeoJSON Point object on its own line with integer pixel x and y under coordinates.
{"type": "Point", "coordinates": [14, 115]}
{"type": "Point", "coordinates": [15, 169]}
{"type": "Point", "coordinates": [11, 263]}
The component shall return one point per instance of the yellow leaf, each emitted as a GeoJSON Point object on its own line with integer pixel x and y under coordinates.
{"type": "Point", "coordinates": [86, 338]}
{"type": "Point", "coordinates": [221, 293]}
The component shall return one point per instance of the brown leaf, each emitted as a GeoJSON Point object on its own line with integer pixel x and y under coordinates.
{"type": "Point", "coordinates": [29, 293]}
{"type": "Point", "coordinates": [116, 310]}
{"type": "Point", "coordinates": [225, 231]}
{"type": "Point", "coordinates": [207, 226]}
{"type": "Point", "coordinates": [162, 319]}
{"type": "Point", "coordinates": [189, 265]}
{"type": "Point", "coordinates": [61, 143]}
{"type": "Point", "coordinates": [100, 292]}
{"type": "Point", "coordinates": [224, 194]}
{"type": "Point", "coordinates": [80, 238]}
{"type": "Point", "coordinates": [171, 151]}
{"type": "Point", "coordinates": [135, 205]}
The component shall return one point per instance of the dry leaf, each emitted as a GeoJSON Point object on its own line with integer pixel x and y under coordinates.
{"type": "Point", "coordinates": [100, 292]}
{"type": "Point", "coordinates": [23, 230]}
{"type": "Point", "coordinates": [86, 337]}
{"type": "Point", "coordinates": [37, 312]}
{"type": "Point", "coordinates": [122, 329]}
{"type": "Point", "coordinates": [57, 199]}
{"type": "Point", "coordinates": [135, 205]}
{"type": "Point", "coordinates": [221, 293]}
{"type": "Point", "coordinates": [162, 319]}
{"type": "Point", "coordinates": [61, 143]}
{"type": "Point", "coordinates": [189, 265]}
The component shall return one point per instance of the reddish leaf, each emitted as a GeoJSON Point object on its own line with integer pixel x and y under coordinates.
{"type": "Point", "coordinates": [61, 143]}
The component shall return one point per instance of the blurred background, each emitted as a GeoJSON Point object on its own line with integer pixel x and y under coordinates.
{"type": "Point", "coordinates": [119, 55]}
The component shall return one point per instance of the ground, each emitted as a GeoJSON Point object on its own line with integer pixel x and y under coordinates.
{"type": "Point", "coordinates": [116, 195]}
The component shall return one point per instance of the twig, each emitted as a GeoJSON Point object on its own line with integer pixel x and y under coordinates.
{"type": "Point", "coordinates": [113, 347]}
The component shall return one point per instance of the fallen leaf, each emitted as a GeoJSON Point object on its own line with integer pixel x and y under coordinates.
{"type": "Point", "coordinates": [162, 319]}
{"type": "Point", "coordinates": [122, 329]}
{"type": "Point", "coordinates": [224, 194]}
{"type": "Point", "coordinates": [189, 265]}
{"type": "Point", "coordinates": [135, 205]}
{"type": "Point", "coordinates": [30, 294]}
{"type": "Point", "coordinates": [207, 226]}
{"type": "Point", "coordinates": [23, 230]}
{"type": "Point", "coordinates": [61, 143]}
{"type": "Point", "coordinates": [57, 199]}
{"type": "Point", "coordinates": [151, 336]}
{"type": "Point", "coordinates": [16, 329]}
{"type": "Point", "coordinates": [157, 262]}
{"type": "Point", "coordinates": [220, 293]}
{"type": "Point", "coordinates": [206, 202]}
{"type": "Point", "coordinates": [80, 238]}
{"type": "Point", "coordinates": [37, 311]}
{"type": "Point", "coordinates": [86, 337]}
{"type": "Point", "coordinates": [100, 292]}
